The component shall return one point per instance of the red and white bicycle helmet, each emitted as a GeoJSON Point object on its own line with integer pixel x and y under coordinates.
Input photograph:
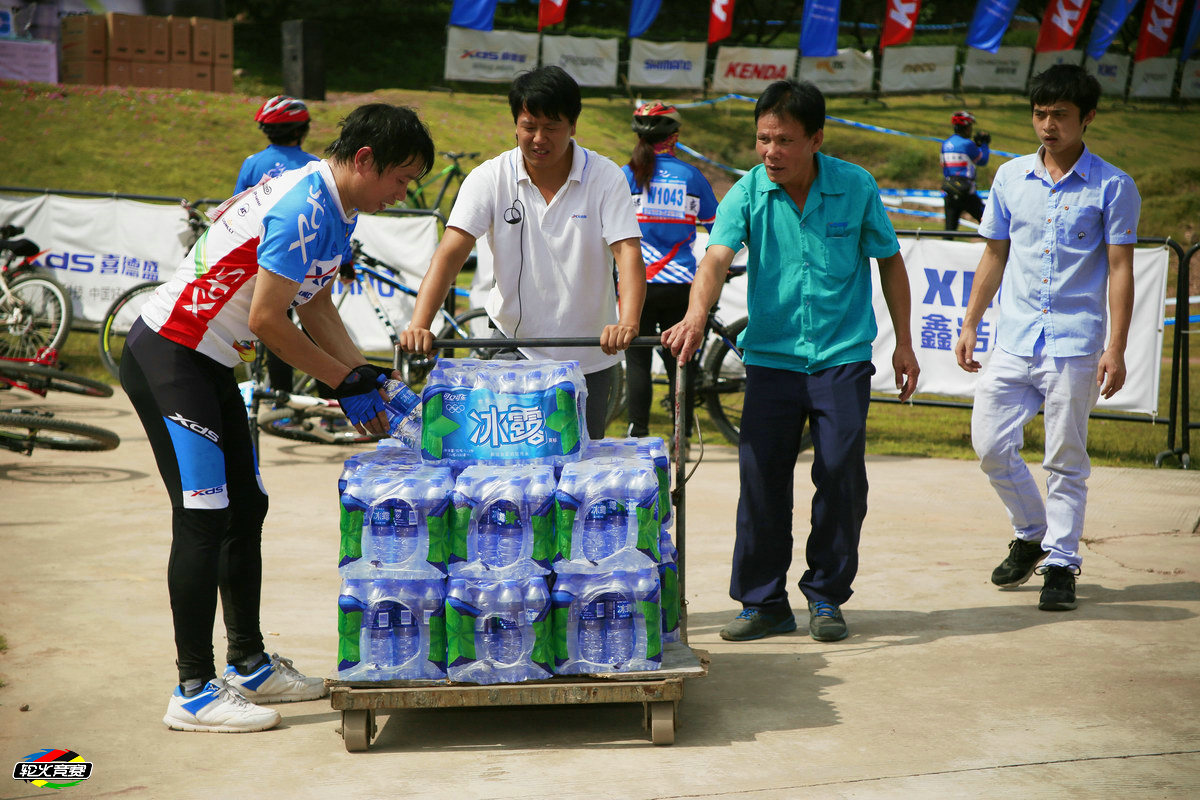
{"type": "Point", "coordinates": [655, 118]}
{"type": "Point", "coordinates": [962, 117]}
{"type": "Point", "coordinates": [282, 109]}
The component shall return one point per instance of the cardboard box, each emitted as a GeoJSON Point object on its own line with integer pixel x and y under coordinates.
{"type": "Point", "coordinates": [159, 37]}
{"type": "Point", "coordinates": [223, 41]}
{"type": "Point", "coordinates": [84, 37]}
{"type": "Point", "coordinates": [140, 74]}
{"type": "Point", "coordinates": [120, 36]}
{"type": "Point", "coordinates": [180, 34]}
{"type": "Point", "coordinates": [179, 74]}
{"type": "Point", "coordinates": [222, 78]}
{"type": "Point", "coordinates": [117, 72]}
{"type": "Point", "coordinates": [91, 72]}
{"type": "Point", "coordinates": [202, 77]}
{"type": "Point", "coordinates": [202, 40]}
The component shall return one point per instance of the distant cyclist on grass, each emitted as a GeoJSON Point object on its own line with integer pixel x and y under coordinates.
{"type": "Point", "coordinates": [961, 154]}
{"type": "Point", "coordinates": [272, 248]}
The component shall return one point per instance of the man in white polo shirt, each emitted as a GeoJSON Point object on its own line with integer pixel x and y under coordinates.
{"type": "Point", "coordinates": [556, 215]}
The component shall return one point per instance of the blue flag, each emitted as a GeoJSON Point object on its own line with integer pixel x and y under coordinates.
{"type": "Point", "coordinates": [989, 24]}
{"type": "Point", "coordinates": [477, 14]}
{"type": "Point", "coordinates": [1189, 41]}
{"type": "Point", "coordinates": [1108, 21]}
{"type": "Point", "coordinates": [642, 15]}
{"type": "Point", "coordinates": [819, 28]}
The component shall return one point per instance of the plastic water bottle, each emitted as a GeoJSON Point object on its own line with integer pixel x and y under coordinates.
{"type": "Point", "coordinates": [406, 629]}
{"type": "Point", "coordinates": [537, 597]}
{"type": "Point", "coordinates": [619, 630]}
{"type": "Point", "coordinates": [591, 631]}
{"type": "Point", "coordinates": [595, 531]}
{"type": "Point", "coordinates": [394, 530]}
{"type": "Point", "coordinates": [507, 623]}
{"type": "Point", "coordinates": [501, 534]}
{"type": "Point", "coordinates": [381, 643]}
{"type": "Point", "coordinates": [403, 408]}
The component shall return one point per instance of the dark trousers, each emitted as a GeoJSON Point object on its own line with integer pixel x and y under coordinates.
{"type": "Point", "coordinates": [214, 551]}
{"type": "Point", "coordinates": [957, 204]}
{"type": "Point", "coordinates": [665, 305]}
{"type": "Point", "coordinates": [778, 402]}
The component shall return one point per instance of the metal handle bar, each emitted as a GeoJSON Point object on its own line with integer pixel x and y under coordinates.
{"type": "Point", "coordinates": [575, 341]}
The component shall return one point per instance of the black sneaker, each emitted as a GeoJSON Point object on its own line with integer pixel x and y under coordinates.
{"type": "Point", "coordinates": [754, 623]}
{"type": "Point", "coordinates": [825, 622]}
{"type": "Point", "coordinates": [1014, 570]}
{"type": "Point", "coordinates": [1058, 590]}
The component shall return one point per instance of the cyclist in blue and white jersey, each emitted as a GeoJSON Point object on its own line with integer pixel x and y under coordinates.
{"type": "Point", "coordinates": [271, 248]}
{"type": "Point", "coordinates": [961, 154]}
{"type": "Point", "coordinates": [671, 198]}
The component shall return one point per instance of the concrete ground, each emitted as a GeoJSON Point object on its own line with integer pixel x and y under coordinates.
{"type": "Point", "coordinates": [946, 687]}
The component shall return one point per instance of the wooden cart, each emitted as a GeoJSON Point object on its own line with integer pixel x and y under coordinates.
{"type": "Point", "coordinates": [659, 691]}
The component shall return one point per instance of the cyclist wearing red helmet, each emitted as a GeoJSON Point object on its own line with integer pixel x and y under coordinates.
{"type": "Point", "coordinates": [285, 121]}
{"type": "Point", "coordinates": [961, 153]}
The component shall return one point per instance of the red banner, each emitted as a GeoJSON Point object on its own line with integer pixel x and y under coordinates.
{"type": "Point", "coordinates": [1061, 24]}
{"type": "Point", "coordinates": [551, 12]}
{"type": "Point", "coordinates": [900, 21]}
{"type": "Point", "coordinates": [720, 20]}
{"type": "Point", "coordinates": [1158, 26]}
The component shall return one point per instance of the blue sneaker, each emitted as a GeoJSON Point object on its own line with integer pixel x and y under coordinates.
{"type": "Point", "coordinates": [218, 708]}
{"type": "Point", "coordinates": [275, 682]}
{"type": "Point", "coordinates": [754, 623]}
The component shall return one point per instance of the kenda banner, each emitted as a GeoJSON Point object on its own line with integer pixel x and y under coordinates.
{"type": "Point", "coordinates": [99, 247]}
{"type": "Point", "coordinates": [488, 56]}
{"type": "Point", "coordinates": [1153, 78]}
{"type": "Point", "coordinates": [1007, 68]}
{"type": "Point", "coordinates": [940, 275]}
{"type": "Point", "coordinates": [846, 73]}
{"type": "Point", "coordinates": [677, 65]}
{"type": "Point", "coordinates": [591, 62]}
{"type": "Point", "coordinates": [918, 68]}
{"type": "Point", "coordinates": [1112, 73]}
{"type": "Point", "coordinates": [751, 69]}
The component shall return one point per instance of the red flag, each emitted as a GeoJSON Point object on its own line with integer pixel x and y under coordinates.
{"type": "Point", "coordinates": [1158, 26]}
{"type": "Point", "coordinates": [551, 12]}
{"type": "Point", "coordinates": [1061, 24]}
{"type": "Point", "coordinates": [720, 20]}
{"type": "Point", "coordinates": [900, 21]}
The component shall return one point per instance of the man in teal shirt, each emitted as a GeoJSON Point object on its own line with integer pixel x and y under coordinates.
{"type": "Point", "coordinates": [811, 223]}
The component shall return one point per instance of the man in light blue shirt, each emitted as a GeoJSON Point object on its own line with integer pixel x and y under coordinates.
{"type": "Point", "coordinates": [811, 224]}
{"type": "Point", "coordinates": [1060, 225]}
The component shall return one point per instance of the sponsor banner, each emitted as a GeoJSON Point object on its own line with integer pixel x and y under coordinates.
{"type": "Point", "coordinates": [819, 27]}
{"type": "Point", "coordinates": [28, 61]}
{"type": "Point", "coordinates": [845, 73]}
{"type": "Point", "coordinates": [641, 16]}
{"type": "Point", "coordinates": [99, 247]}
{"type": "Point", "coordinates": [1044, 61]}
{"type": "Point", "coordinates": [1153, 78]}
{"type": "Point", "coordinates": [1112, 71]}
{"type": "Point", "coordinates": [1007, 68]}
{"type": "Point", "coordinates": [404, 242]}
{"type": "Point", "coordinates": [989, 23]}
{"type": "Point", "coordinates": [924, 68]}
{"type": "Point", "coordinates": [751, 69]}
{"type": "Point", "coordinates": [1061, 24]}
{"type": "Point", "coordinates": [1189, 81]}
{"type": "Point", "coordinates": [900, 22]}
{"type": "Point", "coordinates": [551, 12]}
{"type": "Point", "coordinates": [591, 62]}
{"type": "Point", "coordinates": [940, 276]}
{"type": "Point", "coordinates": [476, 14]}
{"type": "Point", "coordinates": [720, 20]}
{"type": "Point", "coordinates": [670, 64]}
{"type": "Point", "coordinates": [489, 56]}
{"type": "Point", "coordinates": [1108, 22]}
{"type": "Point", "coordinates": [1158, 26]}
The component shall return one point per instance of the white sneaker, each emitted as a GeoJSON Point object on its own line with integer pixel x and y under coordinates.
{"type": "Point", "coordinates": [218, 708]}
{"type": "Point", "coordinates": [275, 682]}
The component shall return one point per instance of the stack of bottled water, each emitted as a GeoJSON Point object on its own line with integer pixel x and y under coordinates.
{"type": "Point", "coordinates": [607, 516]}
{"type": "Point", "coordinates": [503, 522]}
{"type": "Point", "coordinates": [498, 631]}
{"type": "Point", "coordinates": [610, 622]}
{"type": "Point", "coordinates": [391, 629]}
{"type": "Point", "coordinates": [504, 412]}
{"type": "Point", "coordinates": [360, 474]}
{"type": "Point", "coordinates": [407, 520]}
{"type": "Point", "coordinates": [650, 448]}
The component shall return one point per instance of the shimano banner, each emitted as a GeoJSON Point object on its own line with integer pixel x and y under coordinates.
{"type": "Point", "coordinates": [678, 65]}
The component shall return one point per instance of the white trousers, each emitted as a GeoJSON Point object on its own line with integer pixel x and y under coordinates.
{"type": "Point", "coordinates": [1008, 395]}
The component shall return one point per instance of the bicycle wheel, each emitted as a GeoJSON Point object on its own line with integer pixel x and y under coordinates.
{"type": "Point", "coordinates": [34, 316]}
{"type": "Point", "coordinates": [41, 379]}
{"type": "Point", "coordinates": [21, 432]}
{"type": "Point", "coordinates": [319, 424]}
{"type": "Point", "coordinates": [117, 320]}
{"type": "Point", "coordinates": [618, 398]}
{"type": "Point", "coordinates": [723, 383]}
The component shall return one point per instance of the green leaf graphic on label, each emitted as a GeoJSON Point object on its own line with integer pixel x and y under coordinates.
{"type": "Point", "coordinates": [437, 641]}
{"type": "Point", "coordinates": [543, 537]}
{"type": "Point", "coordinates": [460, 637]}
{"type": "Point", "coordinates": [565, 420]}
{"type": "Point", "coordinates": [647, 532]}
{"type": "Point", "coordinates": [543, 643]}
{"type": "Point", "coordinates": [439, 537]}
{"type": "Point", "coordinates": [459, 527]}
{"type": "Point", "coordinates": [563, 524]}
{"type": "Point", "coordinates": [349, 628]}
{"type": "Point", "coordinates": [436, 427]}
{"type": "Point", "coordinates": [670, 599]}
{"type": "Point", "coordinates": [653, 629]}
{"type": "Point", "coordinates": [561, 616]}
{"type": "Point", "coordinates": [351, 523]}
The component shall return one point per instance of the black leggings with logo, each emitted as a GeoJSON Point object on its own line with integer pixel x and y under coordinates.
{"type": "Point", "coordinates": [195, 420]}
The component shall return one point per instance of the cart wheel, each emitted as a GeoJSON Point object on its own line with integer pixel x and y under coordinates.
{"type": "Point", "coordinates": [662, 722]}
{"type": "Point", "coordinates": [358, 728]}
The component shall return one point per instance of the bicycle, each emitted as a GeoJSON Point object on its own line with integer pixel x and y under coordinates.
{"type": "Point", "coordinates": [23, 429]}
{"type": "Point", "coordinates": [35, 310]}
{"type": "Point", "coordinates": [417, 196]}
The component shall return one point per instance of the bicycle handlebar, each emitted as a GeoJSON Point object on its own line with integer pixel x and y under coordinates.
{"type": "Point", "coordinates": [568, 341]}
